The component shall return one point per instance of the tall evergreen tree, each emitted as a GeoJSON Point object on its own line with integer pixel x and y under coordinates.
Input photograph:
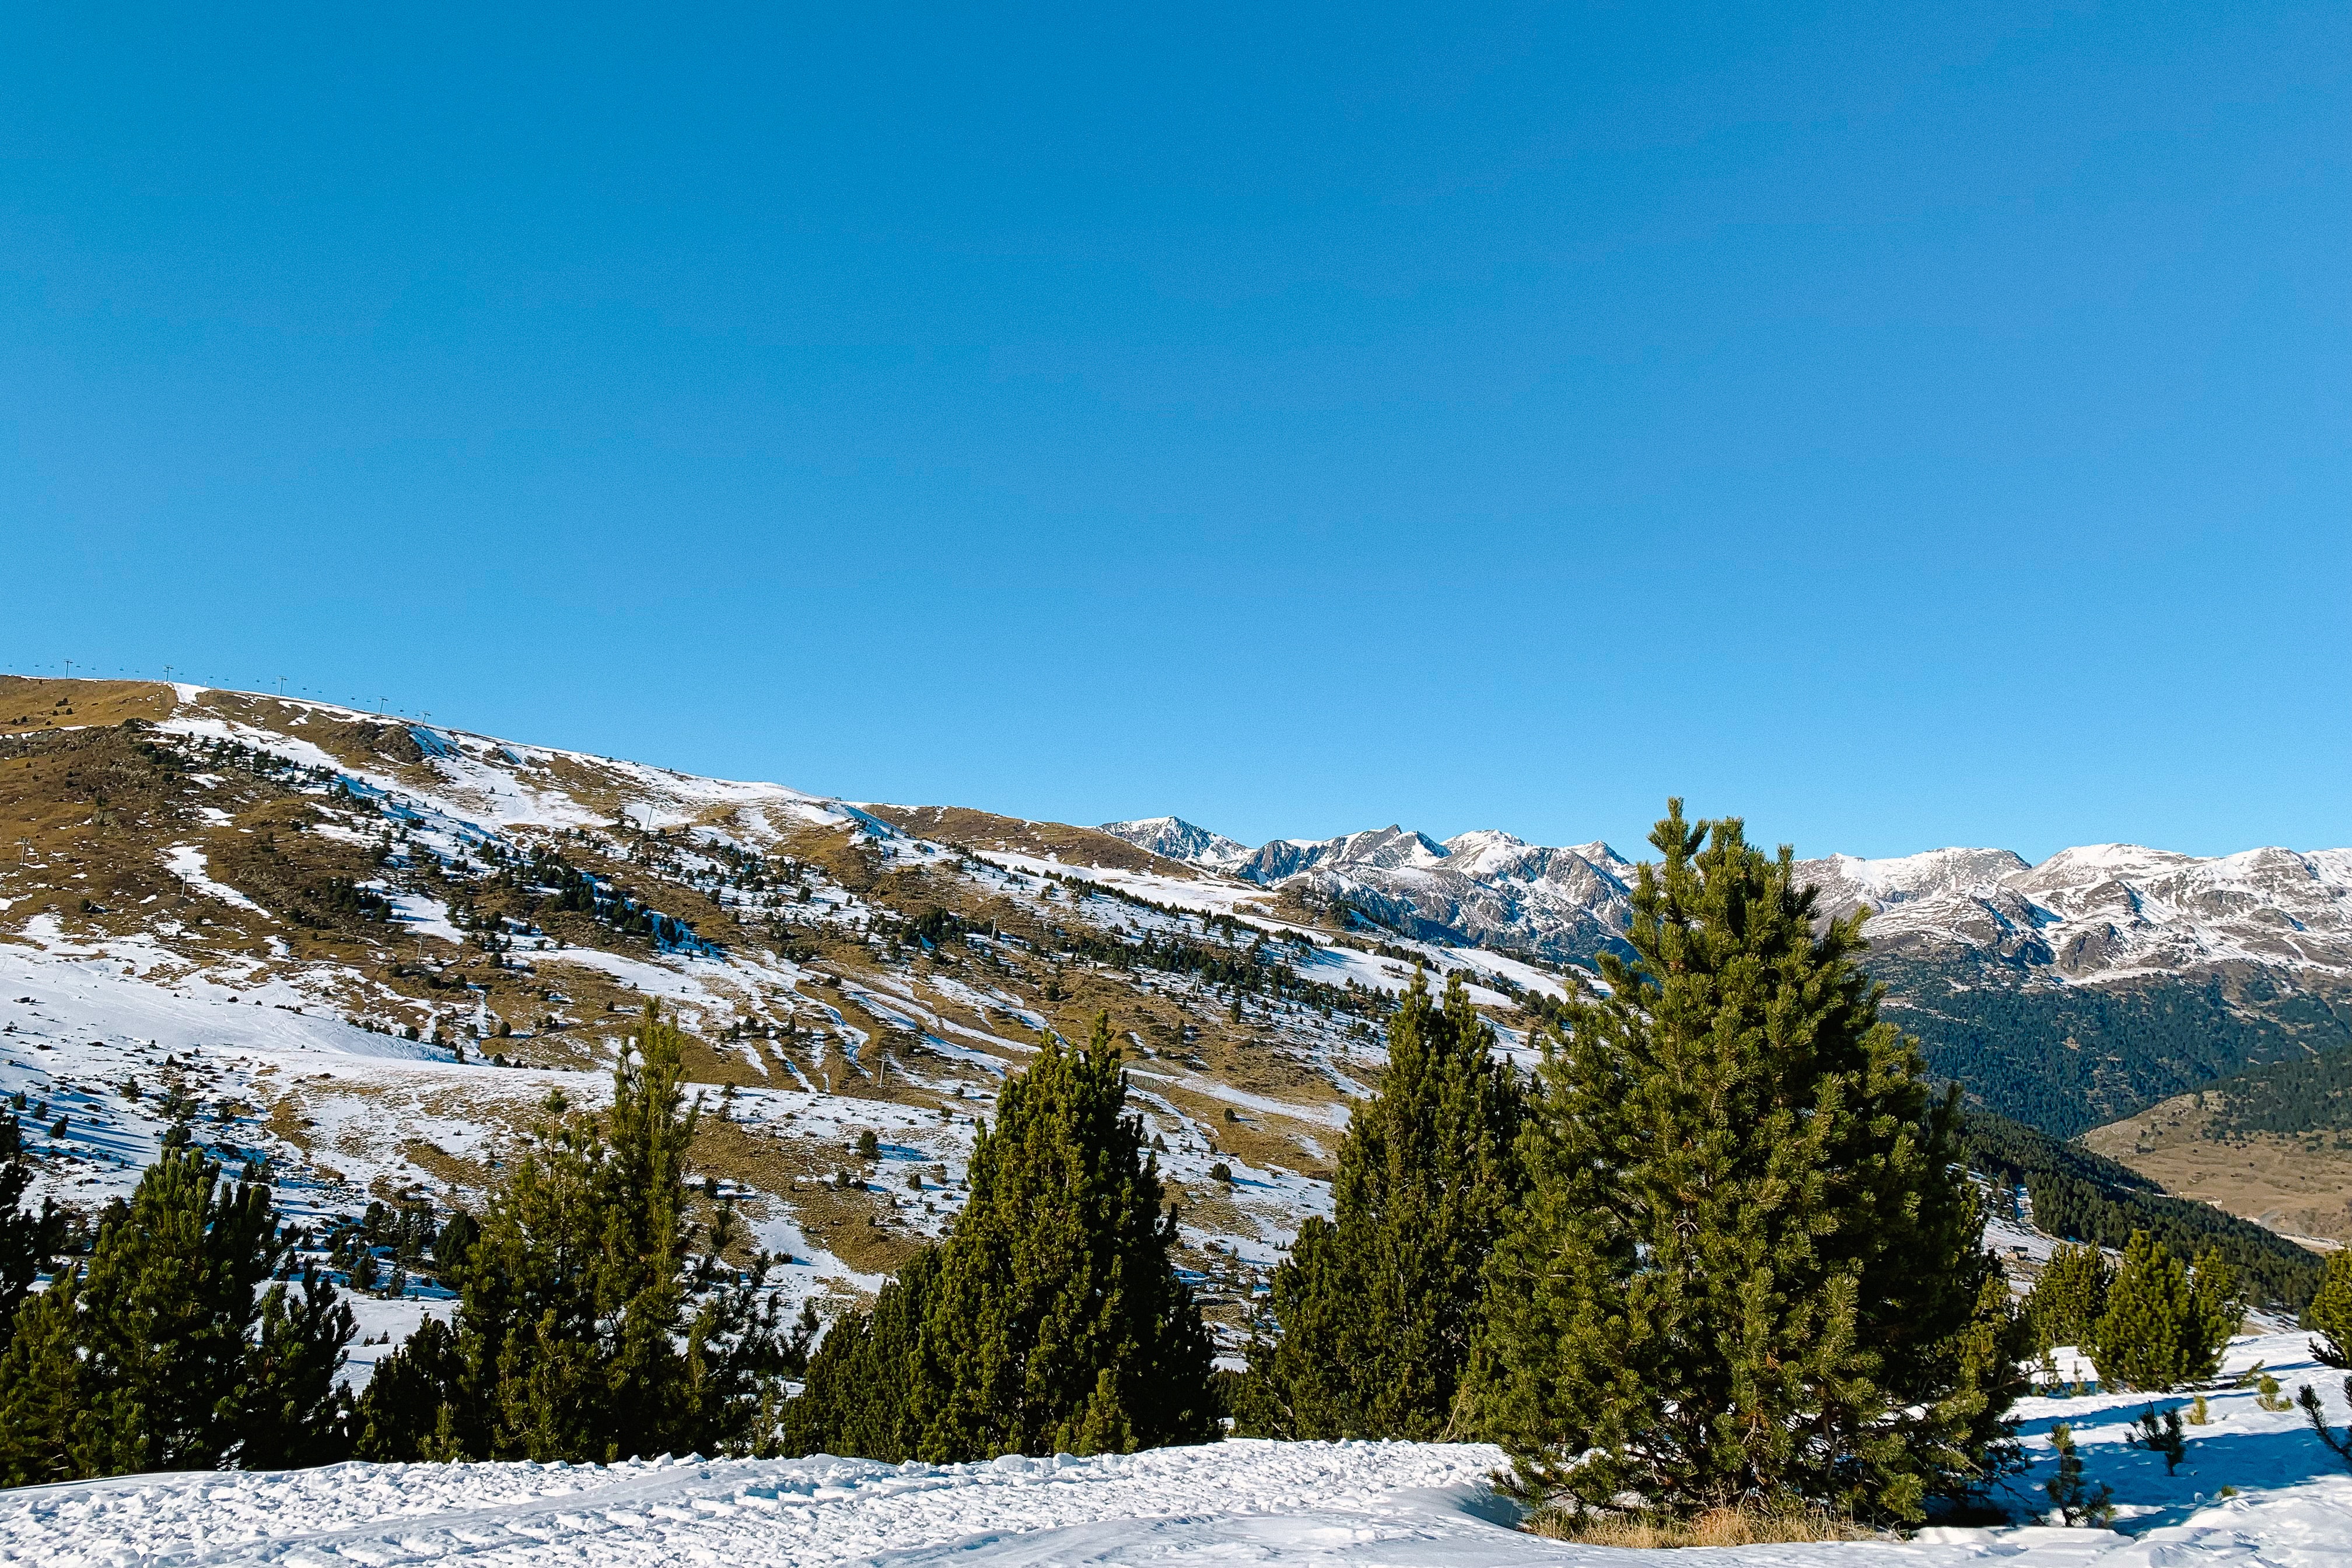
{"type": "Point", "coordinates": [2067, 1302]}
{"type": "Point", "coordinates": [1051, 1318]}
{"type": "Point", "coordinates": [291, 1409]}
{"type": "Point", "coordinates": [29, 1238]}
{"type": "Point", "coordinates": [1058, 1323]}
{"type": "Point", "coordinates": [574, 1337]}
{"type": "Point", "coordinates": [1749, 1269]}
{"type": "Point", "coordinates": [164, 1352]}
{"type": "Point", "coordinates": [2165, 1324]}
{"type": "Point", "coordinates": [1378, 1309]}
{"type": "Point", "coordinates": [857, 1399]}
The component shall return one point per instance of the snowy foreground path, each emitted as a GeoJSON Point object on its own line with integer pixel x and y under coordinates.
{"type": "Point", "coordinates": [1296, 1505]}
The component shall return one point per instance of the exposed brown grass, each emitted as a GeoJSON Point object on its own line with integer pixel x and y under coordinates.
{"type": "Point", "coordinates": [289, 1125]}
{"type": "Point", "coordinates": [31, 702]}
{"type": "Point", "coordinates": [2302, 1187]}
{"type": "Point", "coordinates": [444, 1167]}
{"type": "Point", "coordinates": [1259, 1139]}
{"type": "Point", "coordinates": [1080, 846]}
{"type": "Point", "coordinates": [798, 1171]}
{"type": "Point", "coordinates": [1742, 1524]}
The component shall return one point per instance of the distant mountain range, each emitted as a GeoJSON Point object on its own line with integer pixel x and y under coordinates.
{"type": "Point", "coordinates": [2068, 993]}
{"type": "Point", "coordinates": [2102, 912]}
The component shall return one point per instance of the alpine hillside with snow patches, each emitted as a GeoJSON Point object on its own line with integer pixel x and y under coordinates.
{"type": "Point", "coordinates": [362, 951]}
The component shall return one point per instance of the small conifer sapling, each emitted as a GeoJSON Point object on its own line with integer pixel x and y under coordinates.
{"type": "Point", "coordinates": [2316, 1409]}
{"type": "Point", "coordinates": [2163, 1437]}
{"type": "Point", "coordinates": [2075, 1502]}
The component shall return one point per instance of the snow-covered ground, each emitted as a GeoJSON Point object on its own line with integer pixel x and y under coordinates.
{"type": "Point", "coordinates": [1313, 1505]}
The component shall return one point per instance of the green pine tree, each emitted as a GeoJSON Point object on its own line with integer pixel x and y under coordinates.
{"type": "Point", "coordinates": [2315, 1410]}
{"type": "Point", "coordinates": [1056, 1321]}
{"type": "Point", "coordinates": [1749, 1269]}
{"type": "Point", "coordinates": [856, 1400]}
{"type": "Point", "coordinates": [1379, 1308]}
{"type": "Point", "coordinates": [2071, 1496]}
{"type": "Point", "coordinates": [162, 1353]}
{"type": "Point", "coordinates": [2217, 1311]}
{"type": "Point", "coordinates": [44, 1419]}
{"type": "Point", "coordinates": [2165, 1325]}
{"type": "Point", "coordinates": [291, 1409]}
{"type": "Point", "coordinates": [2067, 1302]}
{"type": "Point", "coordinates": [29, 1238]}
{"type": "Point", "coordinates": [415, 1398]}
{"type": "Point", "coordinates": [586, 1327]}
{"type": "Point", "coordinates": [2330, 1312]}
{"type": "Point", "coordinates": [2162, 1436]}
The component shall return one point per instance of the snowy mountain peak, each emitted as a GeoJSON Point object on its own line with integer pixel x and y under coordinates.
{"type": "Point", "coordinates": [1384, 848]}
{"type": "Point", "coordinates": [1484, 849]}
{"type": "Point", "coordinates": [2092, 911]}
{"type": "Point", "coordinates": [1389, 847]}
{"type": "Point", "coordinates": [1849, 878]}
{"type": "Point", "coordinates": [2096, 861]}
{"type": "Point", "coordinates": [1174, 838]}
{"type": "Point", "coordinates": [2104, 911]}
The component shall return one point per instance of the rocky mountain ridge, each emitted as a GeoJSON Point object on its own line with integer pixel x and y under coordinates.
{"type": "Point", "coordinates": [1172, 839]}
{"type": "Point", "coordinates": [2103, 912]}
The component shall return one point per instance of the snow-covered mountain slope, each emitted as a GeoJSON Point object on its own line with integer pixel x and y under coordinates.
{"type": "Point", "coordinates": [1274, 1505]}
{"type": "Point", "coordinates": [366, 950]}
{"type": "Point", "coordinates": [1174, 839]}
{"type": "Point", "coordinates": [1483, 889]}
{"type": "Point", "coordinates": [2108, 911]}
{"type": "Point", "coordinates": [455, 924]}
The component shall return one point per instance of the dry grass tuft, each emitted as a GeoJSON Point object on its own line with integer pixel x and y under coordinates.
{"type": "Point", "coordinates": [1743, 1524]}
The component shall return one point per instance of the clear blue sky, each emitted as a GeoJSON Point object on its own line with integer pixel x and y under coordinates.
{"type": "Point", "coordinates": [1902, 425]}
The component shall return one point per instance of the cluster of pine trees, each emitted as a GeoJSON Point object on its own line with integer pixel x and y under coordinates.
{"type": "Point", "coordinates": [2304, 1097]}
{"type": "Point", "coordinates": [2150, 1043]}
{"type": "Point", "coordinates": [2149, 1321]}
{"type": "Point", "coordinates": [188, 1339]}
{"type": "Point", "coordinates": [1720, 1252]}
{"type": "Point", "coordinates": [2088, 1197]}
{"type": "Point", "coordinates": [601, 1317]}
